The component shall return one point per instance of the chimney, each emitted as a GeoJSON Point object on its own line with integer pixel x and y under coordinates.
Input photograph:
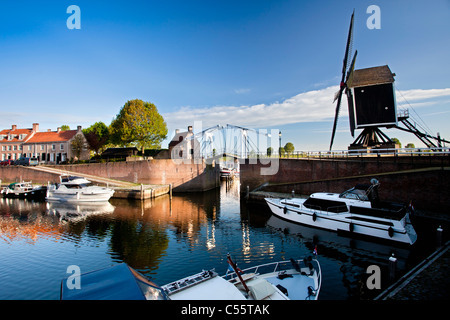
{"type": "Point", "coordinates": [79, 129]}
{"type": "Point", "coordinates": [14, 127]}
{"type": "Point", "coordinates": [58, 130]}
{"type": "Point", "coordinates": [35, 127]}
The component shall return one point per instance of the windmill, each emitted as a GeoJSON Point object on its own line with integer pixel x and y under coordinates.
{"type": "Point", "coordinates": [372, 104]}
{"type": "Point", "coordinates": [344, 78]}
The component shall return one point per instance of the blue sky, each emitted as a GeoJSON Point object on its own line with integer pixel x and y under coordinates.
{"type": "Point", "coordinates": [259, 64]}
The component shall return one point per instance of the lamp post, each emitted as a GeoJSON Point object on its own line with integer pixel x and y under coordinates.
{"type": "Point", "coordinates": [279, 148]}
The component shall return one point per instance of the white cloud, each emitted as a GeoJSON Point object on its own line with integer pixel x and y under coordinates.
{"type": "Point", "coordinates": [421, 94]}
{"type": "Point", "coordinates": [310, 106]}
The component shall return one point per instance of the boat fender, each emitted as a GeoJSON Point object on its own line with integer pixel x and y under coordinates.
{"type": "Point", "coordinates": [285, 209]}
{"type": "Point", "coordinates": [391, 232]}
{"type": "Point", "coordinates": [350, 227]}
{"type": "Point", "coordinates": [311, 291]}
{"type": "Point", "coordinates": [314, 217]}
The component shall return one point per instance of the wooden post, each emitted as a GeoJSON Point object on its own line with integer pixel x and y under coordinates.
{"type": "Point", "coordinates": [170, 191]}
{"type": "Point", "coordinates": [392, 267]}
{"type": "Point", "coordinates": [439, 232]}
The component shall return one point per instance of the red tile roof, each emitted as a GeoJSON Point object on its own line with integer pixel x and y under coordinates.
{"type": "Point", "coordinates": [52, 136]}
{"type": "Point", "coordinates": [15, 133]}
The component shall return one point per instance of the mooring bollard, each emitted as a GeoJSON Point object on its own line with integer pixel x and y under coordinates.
{"type": "Point", "coordinates": [439, 232]}
{"type": "Point", "coordinates": [293, 193]}
{"type": "Point", "coordinates": [392, 267]}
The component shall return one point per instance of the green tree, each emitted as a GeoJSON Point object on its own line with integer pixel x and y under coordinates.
{"type": "Point", "coordinates": [65, 127]}
{"type": "Point", "coordinates": [97, 136]}
{"type": "Point", "coordinates": [396, 141]}
{"type": "Point", "coordinates": [281, 152]}
{"type": "Point", "coordinates": [410, 145]}
{"type": "Point", "coordinates": [269, 151]}
{"type": "Point", "coordinates": [289, 148]}
{"type": "Point", "coordinates": [138, 124]}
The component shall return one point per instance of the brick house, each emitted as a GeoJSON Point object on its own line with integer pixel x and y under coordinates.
{"type": "Point", "coordinates": [11, 142]}
{"type": "Point", "coordinates": [48, 146]}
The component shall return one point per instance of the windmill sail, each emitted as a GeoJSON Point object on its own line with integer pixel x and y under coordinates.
{"type": "Point", "coordinates": [342, 85]}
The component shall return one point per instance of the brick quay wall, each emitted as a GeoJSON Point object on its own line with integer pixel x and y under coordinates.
{"type": "Point", "coordinates": [425, 181]}
{"type": "Point", "coordinates": [184, 177]}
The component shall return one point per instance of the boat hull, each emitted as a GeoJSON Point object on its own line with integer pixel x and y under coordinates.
{"type": "Point", "coordinates": [344, 222]}
{"type": "Point", "coordinates": [79, 196]}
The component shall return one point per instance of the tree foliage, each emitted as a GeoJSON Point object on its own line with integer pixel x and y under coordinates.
{"type": "Point", "coordinates": [138, 124]}
{"type": "Point", "coordinates": [97, 136]}
{"type": "Point", "coordinates": [289, 148]}
{"type": "Point", "coordinates": [396, 141]}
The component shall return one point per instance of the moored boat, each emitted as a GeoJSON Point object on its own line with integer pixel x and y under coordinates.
{"type": "Point", "coordinates": [24, 190]}
{"type": "Point", "coordinates": [357, 211]}
{"type": "Point", "coordinates": [77, 189]}
{"type": "Point", "coordinates": [286, 280]}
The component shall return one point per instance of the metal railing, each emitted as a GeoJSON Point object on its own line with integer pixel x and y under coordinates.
{"type": "Point", "coordinates": [401, 152]}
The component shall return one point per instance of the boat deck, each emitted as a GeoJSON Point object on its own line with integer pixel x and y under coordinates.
{"type": "Point", "coordinates": [293, 284]}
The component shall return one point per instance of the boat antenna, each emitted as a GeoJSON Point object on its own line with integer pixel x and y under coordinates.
{"type": "Point", "coordinates": [235, 268]}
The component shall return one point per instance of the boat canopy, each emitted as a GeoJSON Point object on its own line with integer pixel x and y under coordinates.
{"type": "Point", "coordinates": [119, 282]}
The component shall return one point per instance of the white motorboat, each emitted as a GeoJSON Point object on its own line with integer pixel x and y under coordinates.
{"type": "Point", "coordinates": [23, 190]}
{"type": "Point", "coordinates": [357, 211]}
{"type": "Point", "coordinates": [286, 280]}
{"type": "Point", "coordinates": [77, 189]}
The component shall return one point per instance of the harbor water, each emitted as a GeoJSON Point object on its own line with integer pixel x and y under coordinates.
{"type": "Point", "coordinates": [168, 239]}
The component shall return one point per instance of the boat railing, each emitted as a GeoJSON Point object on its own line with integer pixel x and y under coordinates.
{"type": "Point", "coordinates": [274, 267]}
{"type": "Point", "coordinates": [187, 282]}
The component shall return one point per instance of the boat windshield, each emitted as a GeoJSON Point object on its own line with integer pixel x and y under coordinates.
{"type": "Point", "coordinates": [356, 194]}
{"type": "Point", "coordinates": [78, 186]}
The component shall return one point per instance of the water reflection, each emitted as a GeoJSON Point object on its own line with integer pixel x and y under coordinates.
{"type": "Point", "coordinates": [168, 240]}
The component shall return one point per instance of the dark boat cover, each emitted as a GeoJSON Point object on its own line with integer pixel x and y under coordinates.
{"type": "Point", "coordinates": [119, 282]}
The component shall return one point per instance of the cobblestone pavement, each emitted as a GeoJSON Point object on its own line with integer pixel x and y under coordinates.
{"type": "Point", "coordinates": [432, 283]}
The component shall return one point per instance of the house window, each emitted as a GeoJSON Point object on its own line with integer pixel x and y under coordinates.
{"type": "Point", "coordinates": [3, 148]}
{"type": "Point", "coordinates": [52, 157]}
{"type": "Point", "coordinates": [42, 147]}
{"type": "Point", "coordinates": [9, 148]}
{"type": "Point", "coordinates": [14, 148]}
{"type": "Point", "coordinates": [53, 146]}
{"type": "Point", "coordinates": [61, 146]}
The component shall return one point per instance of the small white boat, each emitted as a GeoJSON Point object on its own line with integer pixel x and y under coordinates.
{"type": "Point", "coordinates": [286, 280]}
{"type": "Point", "coordinates": [227, 173]}
{"type": "Point", "coordinates": [77, 189]}
{"type": "Point", "coordinates": [23, 190]}
{"type": "Point", "coordinates": [356, 211]}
